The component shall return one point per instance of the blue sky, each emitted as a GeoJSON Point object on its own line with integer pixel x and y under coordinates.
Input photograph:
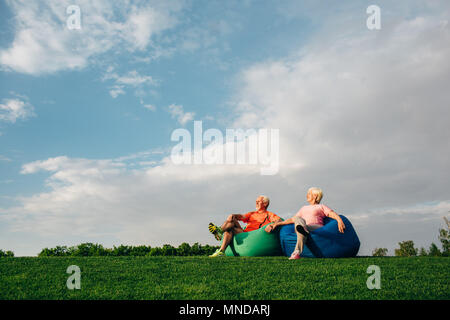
{"type": "Point", "coordinates": [86, 157]}
{"type": "Point", "coordinates": [76, 116]}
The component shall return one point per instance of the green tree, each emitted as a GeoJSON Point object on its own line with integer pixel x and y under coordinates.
{"type": "Point", "coordinates": [156, 251]}
{"type": "Point", "coordinates": [423, 252]}
{"type": "Point", "coordinates": [140, 250]}
{"type": "Point", "coordinates": [379, 252]}
{"type": "Point", "coordinates": [58, 251]}
{"type": "Point", "coordinates": [88, 250]}
{"type": "Point", "coordinates": [434, 251]}
{"type": "Point", "coordinates": [444, 238]}
{"type": "Point", "coordinates": [406, 249]}
{"type": "Point", "coordinates": [6, 254]}
{"type": "Point", "coordinates": [196, 249]}
{"type": "Point", "coordinates": [184, 249]}
{"type": "Point", "coordinates": [121, 250]}
{"type": "Point", "coordinates": [168, 250]}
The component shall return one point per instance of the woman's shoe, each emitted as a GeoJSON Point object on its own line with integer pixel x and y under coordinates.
{"type": "Point", "coordinates": [295, 255]}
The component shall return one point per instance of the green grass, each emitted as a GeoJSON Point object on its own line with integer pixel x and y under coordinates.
{"type": "Point", "coordinates": [224, 278]}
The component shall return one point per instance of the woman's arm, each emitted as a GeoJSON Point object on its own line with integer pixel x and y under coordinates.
{"type": "Point", "coordinates": [285, 222]}
{"type": "Point", "coordinates": [335, 216]}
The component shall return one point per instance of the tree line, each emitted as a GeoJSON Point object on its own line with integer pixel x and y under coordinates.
{"type": "Point", "coordinates": [94, 249]}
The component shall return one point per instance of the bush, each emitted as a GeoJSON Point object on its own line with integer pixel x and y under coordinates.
{"type": "Point", "coordinates": [91, 249]}
{"type": "Point", "coordinates": [184, 249]}
{"type": "Point", "coordinates": [6, 254]}
{"type": "Point", "coordinates": [379, 252]}
{"type": "Point", "coordinates": [406, 249]}
{"type": "Point", "coordinates": [155, 252]}
{"type": "Point", "coordinates": [140, 250]}
{"type": "Point", "coordinates": [59, 251]}
{"type": "Point", "coordinates": [121, 250]}
{"type": "Point", "coordinates": [168, 250]}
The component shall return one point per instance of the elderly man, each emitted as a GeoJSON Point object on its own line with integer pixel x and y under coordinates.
{"type": "Point", "coordinates": [254, 220]}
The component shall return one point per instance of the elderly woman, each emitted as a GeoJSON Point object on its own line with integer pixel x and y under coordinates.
{"type": "Point", "coordinates": [307, 219]}
{"type": "Point", "coordinates": [254, 220]}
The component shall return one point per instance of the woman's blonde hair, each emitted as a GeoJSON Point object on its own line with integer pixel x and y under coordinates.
{"type": "Point", "coordinates": [317, 192]}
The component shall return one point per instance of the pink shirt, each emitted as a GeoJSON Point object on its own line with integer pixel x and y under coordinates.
{"type": "Point", "coordinates": [314, 214]}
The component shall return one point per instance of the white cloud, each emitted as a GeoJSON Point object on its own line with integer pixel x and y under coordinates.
{"type": "Point", "coordinates": [131, 79]}
{"type": "Point", "coordinates": [354, 120]}
{"type": "Point", "coordinates": [364, 118]}
{"type": "Point", "coordinates": [43, 44]}
{"type": "Point", "coordinates": [177, 112]}
{"type": "Point", "coordinates": [116, 91]}
{"type": "Point", "coordinates": [12, 110]}
{"type": "Point", "coordinates": [150, 107]}
{"type": "Point", "coordinates": [95, 198]}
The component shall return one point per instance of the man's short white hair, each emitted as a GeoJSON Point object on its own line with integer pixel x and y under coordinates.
{"type": "Point", "coordinates": [317, 193]}
{"type": "Point", "coordinates": [266, 200]}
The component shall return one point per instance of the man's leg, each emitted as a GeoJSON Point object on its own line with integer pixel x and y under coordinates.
{"type": "Point", "coordinates": [230, 228]}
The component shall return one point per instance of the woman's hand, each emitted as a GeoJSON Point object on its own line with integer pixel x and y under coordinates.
{"type": "Point", "coordinates": [341, 226]}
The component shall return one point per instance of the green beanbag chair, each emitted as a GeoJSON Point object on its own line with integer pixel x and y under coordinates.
{"type": "Point", "coordinates": [256, 243]}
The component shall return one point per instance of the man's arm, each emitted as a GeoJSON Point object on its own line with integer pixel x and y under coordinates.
{"type": "Point", "coordinates": [278, 223]}
{"type": "Point", "coordinates": [274, 218]}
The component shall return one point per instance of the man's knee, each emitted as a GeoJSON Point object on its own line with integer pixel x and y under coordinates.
{"type": "Point", "coordinates": [227, 226]}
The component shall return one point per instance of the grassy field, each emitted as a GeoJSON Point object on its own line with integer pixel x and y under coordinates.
{"type": "Point", "coordinates": [224, 278]}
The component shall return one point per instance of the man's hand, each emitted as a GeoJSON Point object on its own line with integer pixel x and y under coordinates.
{"type": "Point", "coordinates": [341, 226]}
{"type": "Point", "coordinates": [270, 228]}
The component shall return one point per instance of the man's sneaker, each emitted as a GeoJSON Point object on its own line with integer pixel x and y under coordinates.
{"type": "Point", "coordinates": [218, 253]}
{"type": "Point", "coordinates": [295, 255]}
{"type": "Point", "coordinates": [301, 229]}
{"type": "Point", "coordinates": [216, 231]}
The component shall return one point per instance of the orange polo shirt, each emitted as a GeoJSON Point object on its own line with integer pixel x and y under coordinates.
{"type": "Point", "coordinates": [256, 220]}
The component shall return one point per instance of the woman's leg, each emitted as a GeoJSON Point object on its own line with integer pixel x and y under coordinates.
{"type": "Point", "coordinates": [301, 238]}
{"type": "Point", "coordinates": [302, 235]}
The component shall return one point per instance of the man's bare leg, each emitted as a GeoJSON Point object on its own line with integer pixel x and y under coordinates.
{"type": "Point", "coordinates": [230, 228]}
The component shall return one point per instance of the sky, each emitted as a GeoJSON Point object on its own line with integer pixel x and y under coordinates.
{"type": "Point", "coordinates": [87, 117]}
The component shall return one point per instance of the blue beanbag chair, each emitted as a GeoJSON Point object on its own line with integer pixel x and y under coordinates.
{"type": "Point", "coordinates": [325, 242]}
